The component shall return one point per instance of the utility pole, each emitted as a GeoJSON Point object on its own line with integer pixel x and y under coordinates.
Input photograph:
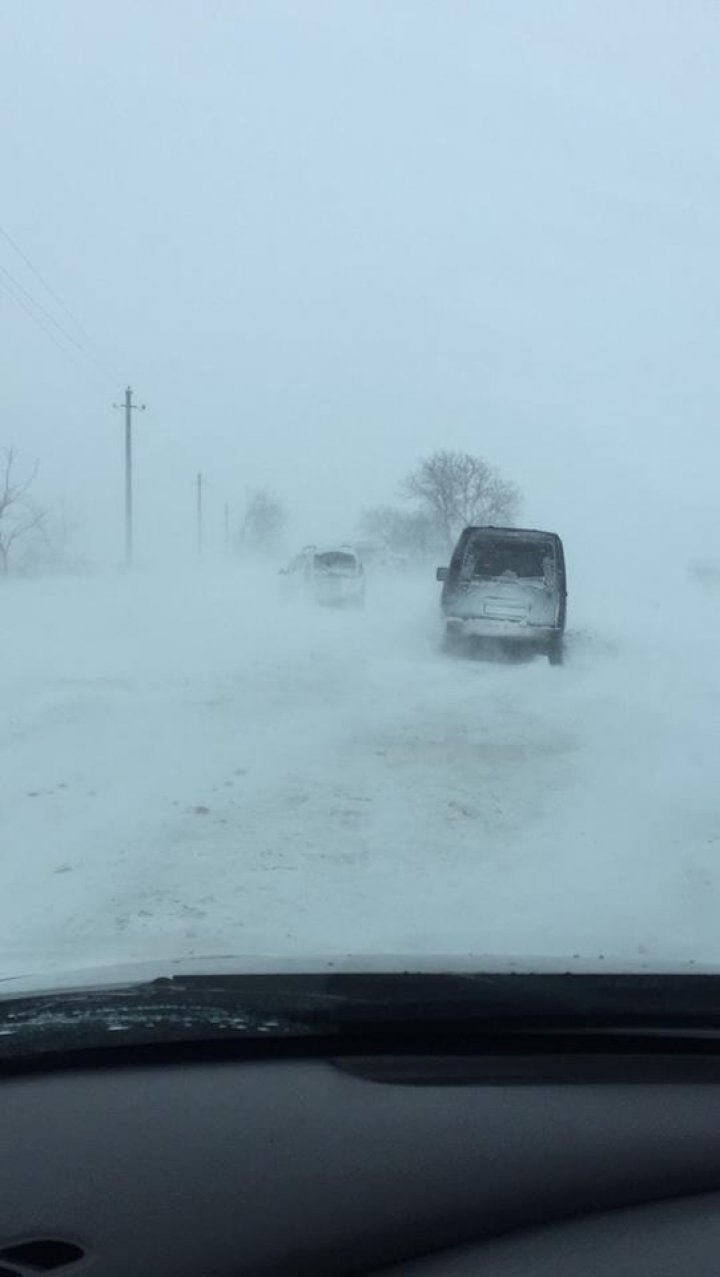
{"type": "Point", "coordinates": [130, 408]}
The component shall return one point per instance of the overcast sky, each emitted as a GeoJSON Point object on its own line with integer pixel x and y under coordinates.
{"type": "Point", "coordinates": [322, 239]}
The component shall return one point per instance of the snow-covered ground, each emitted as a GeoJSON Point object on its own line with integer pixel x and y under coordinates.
{"type": "Point", "coordinates": [191, 768]}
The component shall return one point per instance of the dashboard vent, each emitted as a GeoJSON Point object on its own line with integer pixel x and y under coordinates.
{"type": "Point", "coordinates": [44, 1255]}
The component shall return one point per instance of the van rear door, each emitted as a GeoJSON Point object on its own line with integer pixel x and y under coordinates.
{"type": "Point", "coordinates": [509, 578]}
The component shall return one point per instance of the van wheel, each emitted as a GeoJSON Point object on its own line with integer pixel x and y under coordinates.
{"type": "Point", "coordinates": [556, 651]}
{"type": "Point", "coordinates": [453, 644]}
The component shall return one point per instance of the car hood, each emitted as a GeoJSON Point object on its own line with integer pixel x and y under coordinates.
{"type": "Point", "coordinates": [113, 975]}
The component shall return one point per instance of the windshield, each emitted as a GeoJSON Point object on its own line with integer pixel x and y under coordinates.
{"type": "Point", "coordinates": [359, 535]}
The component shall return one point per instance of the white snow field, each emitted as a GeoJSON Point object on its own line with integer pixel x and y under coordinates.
{"type": "Point", "coordinates": [191, 768]}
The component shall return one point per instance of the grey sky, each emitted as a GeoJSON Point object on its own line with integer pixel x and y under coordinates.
{"type": "Point", "coordinates": [323, 239]}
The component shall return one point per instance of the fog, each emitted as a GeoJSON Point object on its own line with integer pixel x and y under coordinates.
{"type": "Point", "coordinates": [322, 241]}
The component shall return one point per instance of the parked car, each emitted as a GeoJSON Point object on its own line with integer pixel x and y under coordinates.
{"type": "Point", "coordinates": [332, 577]}
{"type": "Point", "coordinates": [506, 586]}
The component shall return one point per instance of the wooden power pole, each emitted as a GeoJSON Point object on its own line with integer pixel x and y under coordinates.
{"type": "Point", "coordinates": [130, 408]}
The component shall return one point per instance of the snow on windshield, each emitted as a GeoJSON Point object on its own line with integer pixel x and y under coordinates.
{"type": "Point", "coordinates": [290, 296]}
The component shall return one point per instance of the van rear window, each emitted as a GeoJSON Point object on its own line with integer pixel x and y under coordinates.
{"type": "Point", "coordinates": [336, 561]}
{"type": "Point", "coordinates": [487, 559]}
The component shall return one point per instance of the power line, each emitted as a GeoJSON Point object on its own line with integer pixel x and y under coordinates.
{"type": "Point", "coordinates": [15, 287]}
{"type": "Point", "coordinates": [55, 323]}
{"type": "Point", "coordinates": [16, 297]}
{"type": "Point", "coordinates": [37, 319]}
{"type": "Point", "coordinates": [55, 296]}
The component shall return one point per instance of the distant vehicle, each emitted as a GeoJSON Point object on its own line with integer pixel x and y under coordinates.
{"type": "Point", "coordinates": [331, 577]}
{"type": "Point", "coordinates": [506, 586]}
{"type": "Point", "coordinates": [372, 553]}
{"type": "Point", "coordinates": [378, 556]}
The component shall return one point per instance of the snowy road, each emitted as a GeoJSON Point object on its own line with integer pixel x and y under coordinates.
{"type": "Point", "coordinates": [194, 769]}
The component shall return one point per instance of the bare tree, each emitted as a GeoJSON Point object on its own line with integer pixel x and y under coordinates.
{"type": "Point", "coordinates": [263, 522]}
{"type": "Point", "coordinates": [459, 489]}
{"type": "Point", "coordinates": [56, 549]}
{"type": "Point", "coordinates": [20, 518]}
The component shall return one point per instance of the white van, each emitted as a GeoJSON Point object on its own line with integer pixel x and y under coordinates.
{"type": "Point", "coordinates": [333, 577]}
